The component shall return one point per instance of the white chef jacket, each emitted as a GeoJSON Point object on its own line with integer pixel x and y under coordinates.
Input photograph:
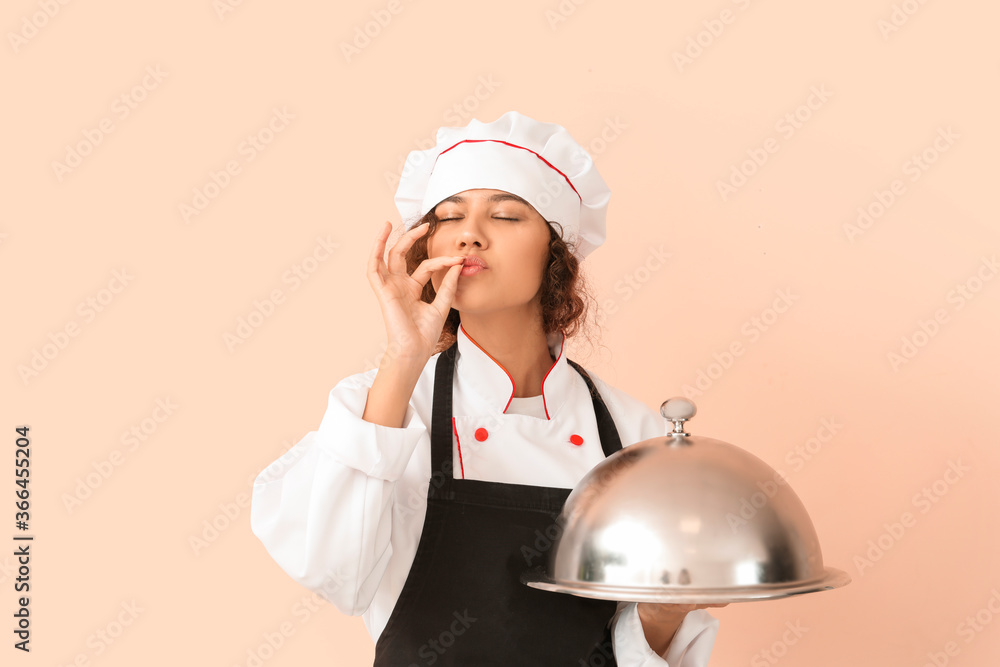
{"type": "Point", "coordinates": [342, 511]}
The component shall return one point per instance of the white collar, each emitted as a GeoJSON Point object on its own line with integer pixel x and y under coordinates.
{"type": "Point", "coordinates": [488, 378]}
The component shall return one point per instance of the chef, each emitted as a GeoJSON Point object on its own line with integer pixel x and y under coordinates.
{"type": "Point", "coordinates": [436, 479]}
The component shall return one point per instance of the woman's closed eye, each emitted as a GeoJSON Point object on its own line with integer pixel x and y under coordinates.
{"type": "Point", "coordinates": [495, 217]}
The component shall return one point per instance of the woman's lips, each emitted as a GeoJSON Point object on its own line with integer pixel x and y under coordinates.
{"type": "Point", "coordinates": [472, 265]}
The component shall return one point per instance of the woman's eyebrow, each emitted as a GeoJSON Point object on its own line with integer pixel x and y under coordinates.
{"type": "Point", "coordinates": [496, 198]}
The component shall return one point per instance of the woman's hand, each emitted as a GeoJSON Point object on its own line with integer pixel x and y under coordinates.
{"type": "Point", "coordinates": [660, 622]}
{"type": "Point", "coordinates": [413, 327]}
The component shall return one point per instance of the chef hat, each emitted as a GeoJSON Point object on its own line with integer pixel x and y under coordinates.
{"type": "Point", "coordinates": [539, 162]}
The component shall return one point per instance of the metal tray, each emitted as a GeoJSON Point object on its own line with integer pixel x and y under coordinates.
{"type": "Point", "coordinates": [834, 578]}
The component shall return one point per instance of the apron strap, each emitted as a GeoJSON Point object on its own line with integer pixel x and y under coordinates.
{"type": "Point", "coordinates": [611, 442]}
{"type": "Point", "coordinates": [441, 414]}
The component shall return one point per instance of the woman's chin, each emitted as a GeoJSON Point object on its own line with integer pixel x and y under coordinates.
{"type": "Point", "coordinates": [473, 305]}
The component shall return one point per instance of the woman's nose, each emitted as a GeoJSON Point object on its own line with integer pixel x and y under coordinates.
{"type": "Point", "coordinates": [470, 231]}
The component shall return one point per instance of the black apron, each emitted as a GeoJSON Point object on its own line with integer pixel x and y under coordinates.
{"type": "Point", "coordinates": [463, 602]}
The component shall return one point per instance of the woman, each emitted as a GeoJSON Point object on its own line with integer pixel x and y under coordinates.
{"type": "Point", "coordinates": [436, 479]}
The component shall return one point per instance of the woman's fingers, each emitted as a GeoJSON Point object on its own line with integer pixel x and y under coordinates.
{"type": "Point", "coordinates": [655, 609]}
{"type": "Point", "coordinates": [376, 267]}
{"type": "Point", "coordinates": [446, 295]}
{"type": "Point", "coordinates": [432, 265]}
{"type": "Point", "coordinates": [397, 261]}
{"type": "Point", "coordinates": [385, 279]}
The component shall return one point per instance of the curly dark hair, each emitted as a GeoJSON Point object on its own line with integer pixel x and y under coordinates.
{"type": "Point", "coordinates": [566, 299]}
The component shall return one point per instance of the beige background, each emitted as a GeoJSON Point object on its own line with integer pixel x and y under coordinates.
{"type": "Point", "coordinates": [664, 133]}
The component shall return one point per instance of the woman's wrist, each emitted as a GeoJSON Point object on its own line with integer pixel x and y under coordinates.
{"type": "Point", "coordinates": [391, 390]}
{"type": "Point", "coordinates": [659, 625]}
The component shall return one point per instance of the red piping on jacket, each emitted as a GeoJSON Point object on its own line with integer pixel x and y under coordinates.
{"type": "Point", "coordinates": [513, 391]}
{"type": "Point", "coordinates": [472, 141]}
{"type": "Point", "coordinates": [455, 428]}
{"type": "Point", "coordinates": [562, 344]}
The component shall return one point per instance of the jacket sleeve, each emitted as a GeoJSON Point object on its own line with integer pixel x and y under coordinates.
{"type": "Point", "coordinates": [324, 509]}
{"type": "Point", "coordinates": [690, 647]}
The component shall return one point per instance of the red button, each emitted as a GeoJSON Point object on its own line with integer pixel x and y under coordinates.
{"type": "Point", "coordinates": [575, 439]}
{"type": "Point", "coordinates": [481, 434]}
